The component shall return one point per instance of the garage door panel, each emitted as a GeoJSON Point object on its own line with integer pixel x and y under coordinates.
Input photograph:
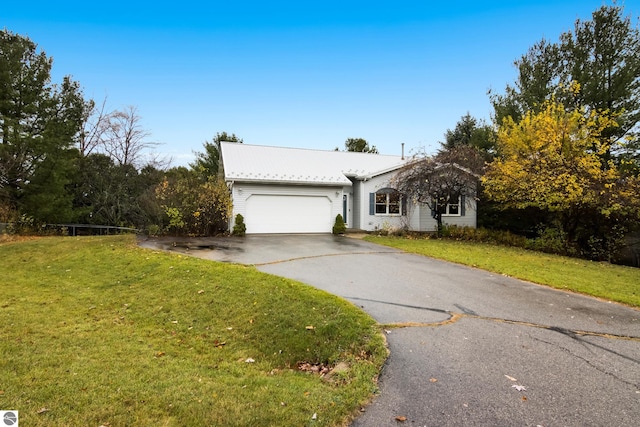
{"type": "Point", "coordinates": [288, 214]}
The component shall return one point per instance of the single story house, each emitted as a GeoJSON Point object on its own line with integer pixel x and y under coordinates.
{"type": "Point", "coordinates": [293, 190]}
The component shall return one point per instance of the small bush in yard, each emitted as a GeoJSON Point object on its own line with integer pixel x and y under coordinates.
{"type": "Point", "coordinates": [239, 229]}
{"type": "Point", "coordinates": [339, 227]}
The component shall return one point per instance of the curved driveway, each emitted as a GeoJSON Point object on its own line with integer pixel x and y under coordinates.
{"type": "Point", "coordinates": [468, 347]}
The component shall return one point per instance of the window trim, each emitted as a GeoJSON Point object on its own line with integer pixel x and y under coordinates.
{"type": "Point", "coordinates": [448, 207]}
{"type": "Point", "coordinates": [388, 203]}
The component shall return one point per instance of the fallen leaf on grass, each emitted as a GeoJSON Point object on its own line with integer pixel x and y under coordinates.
{"type": "Point", "coordinates": [42, 410]}
{"type": "Point", "coordinates": [401, 418]}
{"type": "Point", "coordinates": [201, 291]}
{"type": "Point", "coordinates": [310, 328]}
{"type": "Point", "coordinates": [313, 368]}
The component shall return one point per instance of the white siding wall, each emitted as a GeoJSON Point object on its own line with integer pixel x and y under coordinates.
{"type": "Point", "coordinates": [241, 193]}
{"type": "Point", "coordinates": [418, 217]}
{"type": "Point", "coordinates": [414, 216]}
{"type": "Point", "coordinates": [378, 222]}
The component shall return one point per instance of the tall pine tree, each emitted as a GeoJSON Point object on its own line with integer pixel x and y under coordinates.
{"type": "Point", "coordinates": [39, 123]}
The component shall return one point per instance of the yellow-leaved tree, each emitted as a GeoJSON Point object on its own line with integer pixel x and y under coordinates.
{"type": "Point", "coordinates": [558, 162]}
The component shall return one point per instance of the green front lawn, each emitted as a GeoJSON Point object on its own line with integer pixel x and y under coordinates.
{"type": "Point", "coordinates": [611, 282]}
{"type": "Point", "coordinates": [97, 331]}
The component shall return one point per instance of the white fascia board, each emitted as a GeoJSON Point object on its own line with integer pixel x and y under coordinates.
{"type": "Point", "coordinates": [237, 181]}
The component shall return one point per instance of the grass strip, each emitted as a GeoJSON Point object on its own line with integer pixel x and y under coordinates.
{"type": "Point", "coordinates": [97, 331]}
{"type": "Point", "coordinates": [598, 279]}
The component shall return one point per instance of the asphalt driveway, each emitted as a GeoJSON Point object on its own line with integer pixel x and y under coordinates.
{"type": "Point", "coordinates": [467, 347]}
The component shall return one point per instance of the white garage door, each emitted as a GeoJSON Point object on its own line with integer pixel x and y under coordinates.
{"type": "Point", "coordinates": [288, 214]}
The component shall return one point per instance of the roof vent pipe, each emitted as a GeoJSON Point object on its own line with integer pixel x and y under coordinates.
{"type": "Point", "coordinates": [402, 150]}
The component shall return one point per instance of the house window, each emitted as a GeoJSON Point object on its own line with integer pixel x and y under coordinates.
{"type": "Point", "coordinates": [453, 209]}
{"type": "Point", "coordinates": [388, 202]}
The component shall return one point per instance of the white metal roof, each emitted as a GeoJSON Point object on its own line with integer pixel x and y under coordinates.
{"type": "Point", "coordinates": [259, 163]}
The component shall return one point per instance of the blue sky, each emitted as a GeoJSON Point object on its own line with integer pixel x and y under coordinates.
{"type": "Point", "coordinates": [294, 73]}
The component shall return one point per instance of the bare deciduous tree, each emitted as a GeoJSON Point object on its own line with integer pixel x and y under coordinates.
{"type": "Point", "coordinates": [94, 127]}
{"type": "Point", "coordinates": [125, 139]}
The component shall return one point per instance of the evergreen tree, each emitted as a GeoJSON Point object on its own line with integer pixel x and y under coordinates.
{"type": "Point", "coordinates": [359, 145]}
{"type": "Point", "coordinates": [208, 163]}
{"type": "Point", "coordinates": [39, 126]}
{"type": "Point", "coordinates": [471, 132]}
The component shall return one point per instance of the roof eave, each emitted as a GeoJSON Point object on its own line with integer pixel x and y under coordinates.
{"type": "Point", "coordinates": [238, 180]}
{"type": "Point", "coordinates": [378, 173]}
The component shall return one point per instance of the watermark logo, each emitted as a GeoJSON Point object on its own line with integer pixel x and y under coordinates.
{"type": "Point", "coordinates": [9, 418]}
